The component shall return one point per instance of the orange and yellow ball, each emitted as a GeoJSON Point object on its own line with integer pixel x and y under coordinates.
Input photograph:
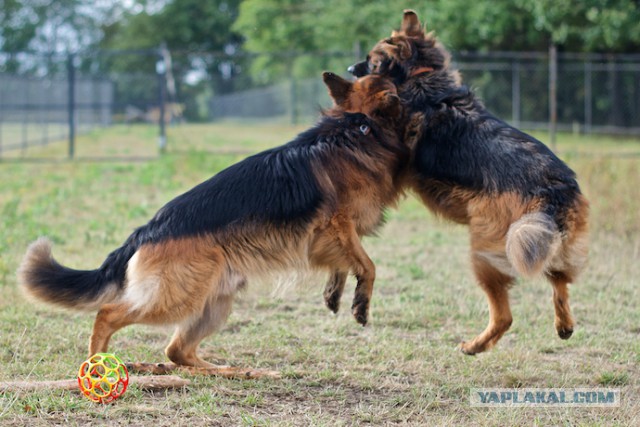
{"type": "Point", "coordinates": [103, 378]}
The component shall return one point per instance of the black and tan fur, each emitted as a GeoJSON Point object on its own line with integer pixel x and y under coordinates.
{"type": "Point", "coordinates": [523, 206]}
{"type": "Point", "coordinates": [360, 96]}
{"type": "Point", "coordinates": [298, 206]}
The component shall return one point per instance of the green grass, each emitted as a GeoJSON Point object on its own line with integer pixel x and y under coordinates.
{"type": "Point", "coordinates": [401, 369]}
{"type": "Point", "coordinates": [15, 138]}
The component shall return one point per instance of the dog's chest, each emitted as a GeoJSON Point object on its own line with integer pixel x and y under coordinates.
{"type": "Point", "coordinates": [365, 210]}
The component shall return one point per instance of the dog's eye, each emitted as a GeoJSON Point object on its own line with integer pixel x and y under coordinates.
{"type": "Point", "coordinates": [364, 129]}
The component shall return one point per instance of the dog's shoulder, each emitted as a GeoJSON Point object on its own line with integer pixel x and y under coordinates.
{"type": "Point", "coordinates": [430, 89]}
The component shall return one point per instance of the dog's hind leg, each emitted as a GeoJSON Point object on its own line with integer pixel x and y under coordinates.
{"type": "Point", "coordinates": [184, 282]}
{"type": "Point", "coordinates": [188, 335]}
{"type": "Point", "coordinates": [334, 288]}
{"type": "Point", "coordinates": [110, 318]}
{"type": "Point", "coordinates": [496, 285]}
{"type": "Point", "coordinates": [563, 320]}
{"type": "Point", "coordinates": [571, 261]}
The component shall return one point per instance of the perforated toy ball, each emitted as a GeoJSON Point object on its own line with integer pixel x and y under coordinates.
{"type": "Point", "coordinates": [103, 377]}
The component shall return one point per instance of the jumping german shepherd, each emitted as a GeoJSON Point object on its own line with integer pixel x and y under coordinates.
{"type": "Point", "coordinates": [301, 205]}
{"type": "Point", "coordinates": [524, 208]}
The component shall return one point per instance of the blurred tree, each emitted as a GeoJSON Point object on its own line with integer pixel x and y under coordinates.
{"type": "Point", "coordinates": [254, 41]}
{"type": "Point", "coordinates": [53, 25]}
{"type": "Point", "coordinates": [181, 24]}
{"type": "Point", "coordinates": [323, 28]}
{"type": "Point", "coordinates": [270, 26]}
{"type": "Point", "coordinates": [206, 53]}
{"type": "Point", "coordinates": [520, 25]}
{"type": "Point", "coordinates": [484, 26]}
{"type": "Point", "coordinates": [588, 25]}
{"type": "Point", "coordinates": [574, 25]}
{"type": "Point", "coordinates": [47, 28]}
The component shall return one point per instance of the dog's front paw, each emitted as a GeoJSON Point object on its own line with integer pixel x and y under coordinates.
{"type": "Point", "coordinates": [360, 309]}
{"type": "Point", "coordinates": [332, 300]}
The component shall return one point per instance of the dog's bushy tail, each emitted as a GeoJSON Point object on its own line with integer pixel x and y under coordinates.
{"type": "Point", "coordinates": [42, 277]}
{"type": "Point", "coordinates": [532, 241]}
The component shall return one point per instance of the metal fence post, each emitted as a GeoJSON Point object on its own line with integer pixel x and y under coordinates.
{"type": "Point", "coordinates": [357, 51]}
{"type": "Point", "coordinates": [588, 94]}
{"type": "Point", "coordinates": [553, 98]}
{"type": "Point", "coordinates": [25, 120]}
{"type": "Point", "coordinates": [515, 93]}
{"type": "Point", "coordinates": [161, 70]}
{"type": "Point", "coordinates": [71, 100]}
{"type": "Point", "coordinates": [294, 101]}
{"type": "Point", "coordinates": [615, 77]}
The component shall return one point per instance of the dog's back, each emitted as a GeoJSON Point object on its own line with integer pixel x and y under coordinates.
{"type": "Point", "coordinates": [463, 144]}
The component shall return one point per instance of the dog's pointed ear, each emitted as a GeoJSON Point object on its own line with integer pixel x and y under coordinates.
{"type": "Point", "coordinates": [388, 104]}
{"type": "Point", "coordinates": [399, 49]}
{"type": "Point", "coordinates": [411, 26]}
{"type": "Point", "coordinates": [339, 88]}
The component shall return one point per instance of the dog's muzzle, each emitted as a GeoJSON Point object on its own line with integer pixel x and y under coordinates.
{"type": "Point", "coordinates": [360, 69]}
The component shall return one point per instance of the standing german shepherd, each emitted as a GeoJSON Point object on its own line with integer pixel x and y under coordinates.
{"type": "Point", "coordinates": [301, 205]}
{"type": "Point", "coordinates": [524, 208]}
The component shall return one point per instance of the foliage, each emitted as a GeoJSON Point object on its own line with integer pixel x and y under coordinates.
{"type": "Point", "coordinates": [50, 27]}
{"type": "Point", "coordinates": [53, 26]}
{"type": "Point", "coordinates": [181, 24]}
{"type": "Point", "coordinates": [520, 25]}
{"type": "Point", "coordinates": [252, 42]}
{"type": "Point", "coordinates": [313, 25]}
{"type": "Point", "coordinates": [185, 27]}
{"type": "Point", "coordinates": [588, 25]}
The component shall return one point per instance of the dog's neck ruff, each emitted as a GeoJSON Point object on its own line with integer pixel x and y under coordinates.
{"type": "Point", "coordinates": [421, 70]}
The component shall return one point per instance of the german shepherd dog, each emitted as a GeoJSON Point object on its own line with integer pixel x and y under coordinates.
{"type": "Point", "coordinates": [522, 204]}
{"type": "Point", "coordinates": [303, 205]}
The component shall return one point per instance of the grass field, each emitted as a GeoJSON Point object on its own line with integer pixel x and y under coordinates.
{"type": "Point", "coordinates": [403, 368]}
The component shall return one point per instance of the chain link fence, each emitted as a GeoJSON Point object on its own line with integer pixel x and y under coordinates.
{"type": "Point", "coordinates": [52, 98]}
{"type": "Point", "coordinates": [47, 98]}
{"type": "Point", "coordinates": [594, 93]}
{"type": "Point", "coordinates": [49, 103]}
